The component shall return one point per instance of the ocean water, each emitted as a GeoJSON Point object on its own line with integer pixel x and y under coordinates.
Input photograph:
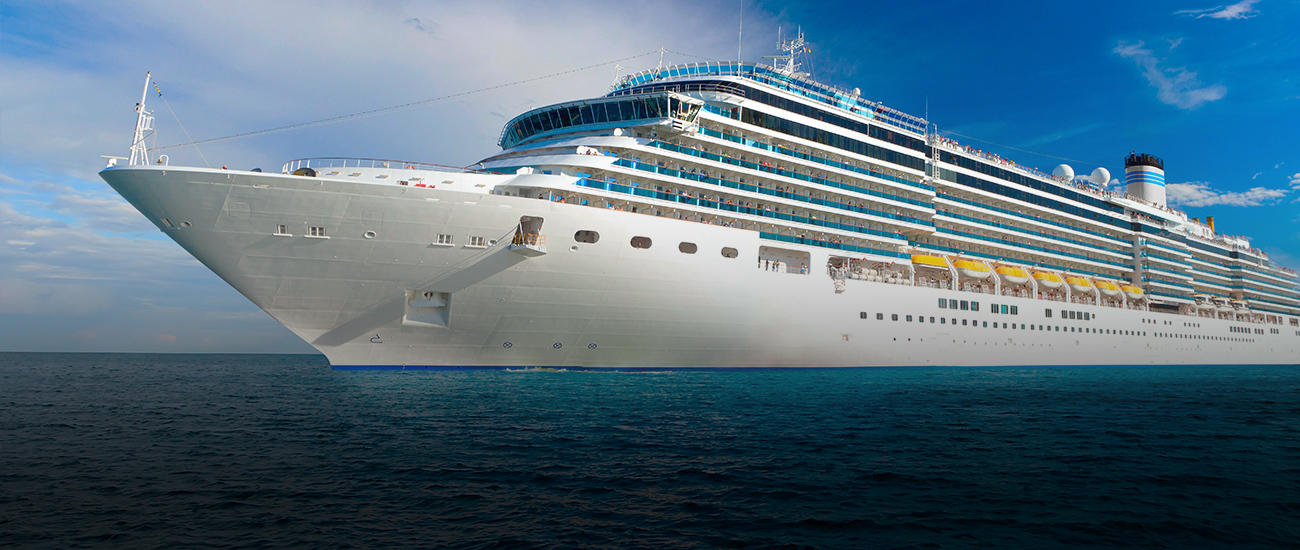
{"type": "Point", "coordinates": [256, 451]}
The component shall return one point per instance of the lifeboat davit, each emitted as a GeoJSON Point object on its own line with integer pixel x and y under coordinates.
{"type": "Point", "coordinates": [972, 269]}
{"type": "Point", "coordinates": [1013, 275]}
{"type": "Point", "coordinates": [1108, 288]}
{"type": "Point", "coordinates": [933, 261]}
{"type": "Point", "coordinates": [1049, 280]}
{"type": "Point", "coordinates": [1132, 292]}
{"type": "Point", "coordinates": [1078, 284]}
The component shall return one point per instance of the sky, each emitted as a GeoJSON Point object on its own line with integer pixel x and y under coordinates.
{"type": "Point", "coordinates": [1212, 88]}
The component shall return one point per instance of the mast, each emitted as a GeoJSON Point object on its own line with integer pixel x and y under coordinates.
{"type": "Point", "coordinates": [143, 126]}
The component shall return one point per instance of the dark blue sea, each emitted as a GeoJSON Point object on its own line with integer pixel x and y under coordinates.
{"type": "Point", "coordinates": [261, 451]}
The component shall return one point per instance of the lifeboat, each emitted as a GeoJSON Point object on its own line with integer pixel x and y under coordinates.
{"type": "Point", "coordinates": [1132, 292]}
{"type": "Point", "coordinates": [1240, 305]}
{"type": "Point", "coordinates": [1221, 304]}
{"type": "Point", "coordinates": [1108, 288]}
{"type": "Point", "coordinates": [1049, 280]}
{"type": "Point", "coordinates": [933, 261]}
{"type": "Point", "coordinates": [972, 269]}
{"type": "Point", "coordinates": [1013, 275]}
{"type": "Point", "coordinates": [1202, 301]}
{"type": "Point", "coordinates": [1078, 284]}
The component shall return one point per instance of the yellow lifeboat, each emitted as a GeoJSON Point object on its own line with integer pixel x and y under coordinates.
{"type": "Point", "coordinates": [1108, 288]}
{"type": "Point", "coordinates": [972, 269]}
{"type": "Point", "coordinates": [1013, 275]}
{"type": "Point", "coordinates": [1049, 280]}
{"type": "Point", "coordinates": [1132, 292]}
{"type": "Point", "coordinates": [934, 261]}
{"type": "Point", "coordinates": [1078, 284]}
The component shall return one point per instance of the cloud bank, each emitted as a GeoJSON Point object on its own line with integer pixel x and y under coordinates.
{"type": "Point", "coordinates": [1197, 193]}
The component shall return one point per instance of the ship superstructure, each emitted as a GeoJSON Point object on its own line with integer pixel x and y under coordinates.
{"type": "Point", "coordinates": [727, 214]}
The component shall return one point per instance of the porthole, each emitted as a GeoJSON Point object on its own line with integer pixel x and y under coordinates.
{"type": "Point", "coordinates": [729, 252]}
{"type": "Point", "coordinates": [585, 236]}
{"type": "Point", "coordinates": [687, 248]}
{"type": "Point", "coordinates": [368, 234]}
{"type": "Point", "coordinates": [641, 242]}
{"type": "Point", "coordinates": [573, 248]}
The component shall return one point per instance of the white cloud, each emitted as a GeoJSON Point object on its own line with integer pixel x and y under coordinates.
{"type": "Point", "coordinates": [1175, 86]}
{"type": "Point", "coordinates": [1196, 193]}
{"type": "Point", "coordinates": [1174, 43]}
{"type": "Point", "coordinates": [1295, 181]}
{"type": "Point", "coordinates": [1241, 10]}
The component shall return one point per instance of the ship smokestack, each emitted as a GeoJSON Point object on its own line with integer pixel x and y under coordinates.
{"type": "Point", "coordinates": [1209, 220]}
{"type": "Point", "coordinates": [1144, 177]}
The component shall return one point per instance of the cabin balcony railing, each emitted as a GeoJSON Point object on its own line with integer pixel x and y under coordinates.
{"type": "Point", "coordinates": [343, 162]}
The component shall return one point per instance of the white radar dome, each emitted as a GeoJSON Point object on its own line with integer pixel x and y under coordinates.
{"type": "Point", "coordinates": [1063, 171]}
{"type": "Point", "coordinates": [1100, 176]}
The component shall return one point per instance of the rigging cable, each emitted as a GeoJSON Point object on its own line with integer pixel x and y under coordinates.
{"type": "Point", "coordinates": [937, 129]}
{"type": "Point", "coordinates": [178, 123]}
{"type": "Point", "coordinates": [403, 106]}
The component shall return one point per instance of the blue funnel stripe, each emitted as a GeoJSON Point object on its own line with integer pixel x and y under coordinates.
{"type": "Point", "coordinates": [1137, 176]}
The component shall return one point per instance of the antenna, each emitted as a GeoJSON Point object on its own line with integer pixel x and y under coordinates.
{"type": "Point", "coordinates": [143, 124]}
{"type": "Point", "coordinates": [792, 49]}
{"type": "Point", "coordinates": [740, 38]}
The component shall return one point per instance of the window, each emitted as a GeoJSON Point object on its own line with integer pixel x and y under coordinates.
{"type": "Point", "coordinates": [1087, 316]}
{"type": "Point", "coordinates": [974, 306]}
{"type": "Point", "coordinates": [864, 315]}
{"type": "Point", "coordinates": [1072, 313]}
{"type": "Point", "coordinates": [1015, 310]}
{"type": "Point", "coordinates": [894, 317]}
{"type": "Point", "coordinates": [640, 242]}
{"type": "Point", "coordinates": [443, 239]}
{"type": "Point", "coordinates": [315, 231]}
{"type": "Point", "coordinates": [1049, 313]}
{"type": "Point", "coordinates": [993, 308]}
{"type": "Point", "coordinates": [986, 324]}
{"type": "Point", "coordinates": [478, 242]}
{"type": "Point", "coordinates": [880, 316]}
{"type": "Point", "coordinates": [932, 319]}
{"type": "Point", "coordinates": [963, 322]}
{"type": "Point", "coordinates": [943, 320]}
{"type": "Point", "coordinates": [688, 248]}
{"type": "Point", "coordinates": [943, 303]}
{"type": "Point", "coordinates": [729, 252]}
{"type": "Point", "coordinates": [281, 229]}
{"type": "Point", "coordinates": [909, 318]}
{"type": "Point", "coordinates": [965, 305]}
{"type": "Point", "coordinates": [586, 236]}
{"type": "Point", "coordinates": [1004, 309]}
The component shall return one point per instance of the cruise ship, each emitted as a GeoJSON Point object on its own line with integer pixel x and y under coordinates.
{"type": "Point", "coordinates": [719, 215]}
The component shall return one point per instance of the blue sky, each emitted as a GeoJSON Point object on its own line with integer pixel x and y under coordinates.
{"type": "Point", "coordinates": [1212, 88]}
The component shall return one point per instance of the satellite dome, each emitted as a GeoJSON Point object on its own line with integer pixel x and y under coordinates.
{"type": "Point", "coordinates": [1063, 171]}
{"type": "Point", "coordinates": [1100, 176]}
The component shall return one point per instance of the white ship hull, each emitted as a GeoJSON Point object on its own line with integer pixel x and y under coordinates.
{"type": "Point", "coordinates": [607, 304]}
